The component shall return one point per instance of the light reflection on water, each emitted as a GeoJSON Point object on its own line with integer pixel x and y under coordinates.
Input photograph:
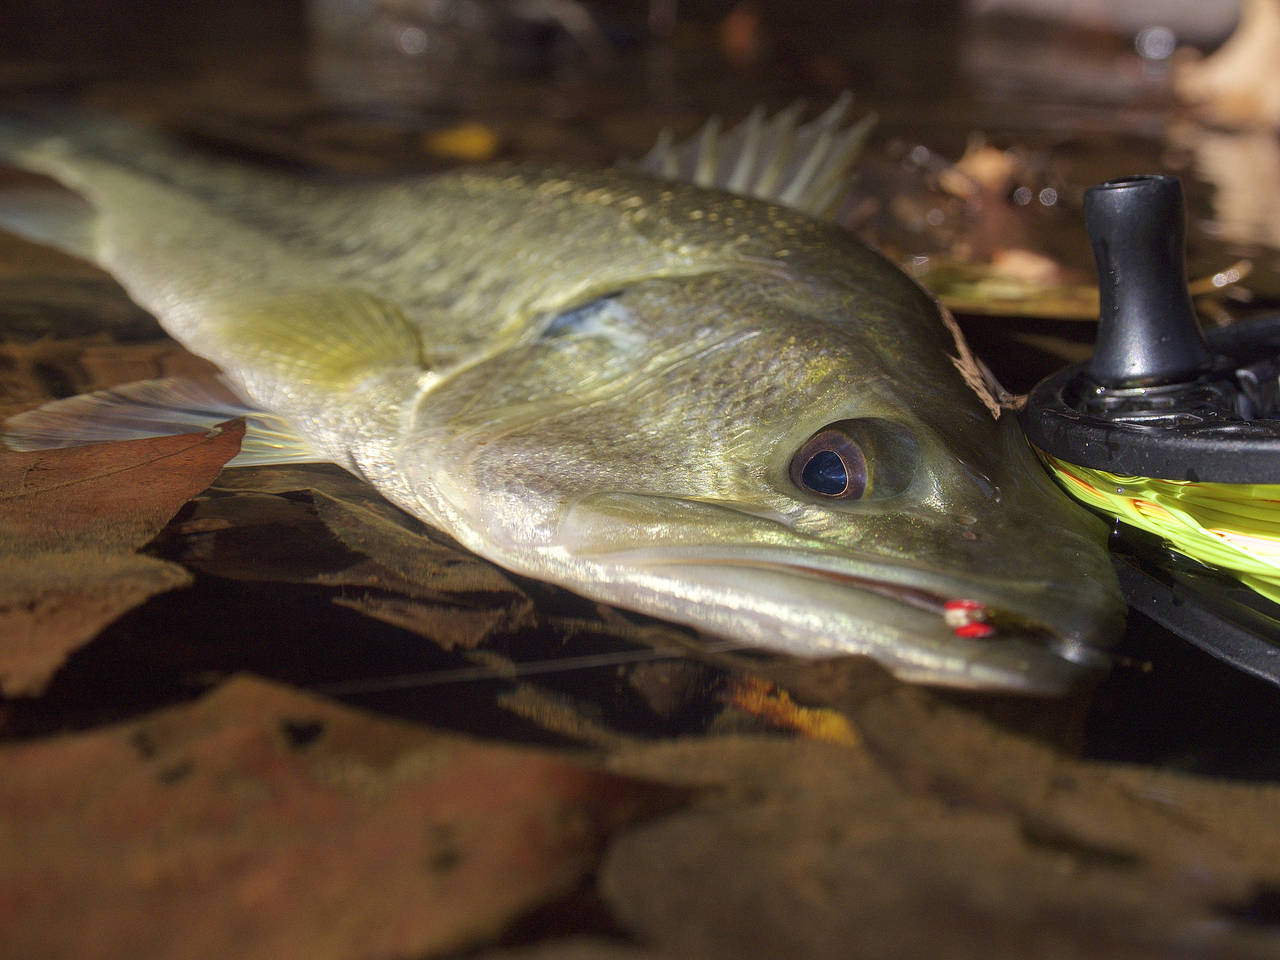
{"type": "Point", "coordinates": [1243, 168]}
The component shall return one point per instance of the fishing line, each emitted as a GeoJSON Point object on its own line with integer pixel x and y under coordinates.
{"type": "Point", "coordinates": [1233, 526]}
{"type": "Point", "coordinates": [432, 678]}
{"type": "Point", "coordinates": [1173, 431]}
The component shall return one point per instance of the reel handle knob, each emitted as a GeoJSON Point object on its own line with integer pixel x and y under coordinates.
{"type": "Point", "coordinates": [1147, 329]}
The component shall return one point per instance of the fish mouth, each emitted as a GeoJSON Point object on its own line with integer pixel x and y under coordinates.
{"type": "Point", "coordinates": [925, 627]}
{"type": "Point", "coordinates": [1037, 626]}
{"type": "Point", "coordinates": [965, 616]}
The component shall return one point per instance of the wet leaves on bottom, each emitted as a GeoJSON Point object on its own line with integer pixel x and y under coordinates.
{"type": "Point", "coordinates": [264, 823]}
{"type": "Point", "coordinates": [70, 521]}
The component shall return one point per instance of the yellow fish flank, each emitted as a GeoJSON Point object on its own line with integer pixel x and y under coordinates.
{"type": "Point", "coordinates": [703, 406]}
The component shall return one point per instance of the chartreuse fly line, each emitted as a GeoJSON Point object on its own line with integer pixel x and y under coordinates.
{"type": "Point", "coordinates": [1232, 526]}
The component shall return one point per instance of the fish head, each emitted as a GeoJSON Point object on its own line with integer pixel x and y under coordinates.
{"type": "Point", "coordinates": [790, 463]}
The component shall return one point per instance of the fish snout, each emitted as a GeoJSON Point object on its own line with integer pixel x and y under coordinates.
{"type": "Point", "coordinates": [1035, 614]}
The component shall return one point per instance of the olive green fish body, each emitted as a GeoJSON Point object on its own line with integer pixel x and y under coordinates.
{"type": "Point", "coordinates": [624, 385]}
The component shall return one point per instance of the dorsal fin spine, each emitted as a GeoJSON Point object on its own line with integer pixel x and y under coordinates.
{"type": "Point", "coordinates": [740, 179]}
{"type": "Point", "coordinates": [776, 159]}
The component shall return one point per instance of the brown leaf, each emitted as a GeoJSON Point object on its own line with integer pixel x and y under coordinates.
{"type": "Point", "coordinates": [32, 373]}
{"type": "Point", "coordinates": [363, 521]}
{"type": "Point", "coordinates": [308, 525]}
{"type": "Point", "coordinates": [69, 522]}
{"type": "Point", "coordinates": [418, 553]}
{"type": "Point", "coordinates": [1006, 754]}
{"type": "Point", "coordinates": [447, 626]}
{"type": "Point", "coordinates": [257, 537]}
{"type": "Point", "coordinates": [115, 494]}
{"type": "Point", "coordinates": [49, 295]}
{"type": "Point", "coordinates": [811, 851]}
{"type": "Point", "coordinates": [52, 603]}
{"type": "Point", "coordinates": [421, 583]}
{"type": "Point", "coordinates": [264, 823]}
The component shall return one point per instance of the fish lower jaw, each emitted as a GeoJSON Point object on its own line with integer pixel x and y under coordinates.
{"type": "Point", "coordinates": [970, 618]}
{"type": "Point", "coordinates": [922, 635]}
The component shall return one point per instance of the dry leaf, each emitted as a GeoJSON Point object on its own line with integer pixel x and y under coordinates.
{"type": "Point", "coordinates": [33, 373]}
{"type": "Point", "coordinates": [1238, 85]}
{"type": "Point", "coordinates": [468, 141]}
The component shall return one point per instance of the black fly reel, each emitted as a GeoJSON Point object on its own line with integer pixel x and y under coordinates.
{"type": "Point", "coordinates": [1161, 401]}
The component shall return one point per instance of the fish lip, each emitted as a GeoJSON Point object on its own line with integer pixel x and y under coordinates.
{"type": "Point", "coordinates": [1078, 658]}
{"type": "Point", "coordinates": [1079, 647]}
{"type": "Point", "coordinates": [912, 596]}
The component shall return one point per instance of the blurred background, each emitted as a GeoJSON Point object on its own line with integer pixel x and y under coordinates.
{"type": "Point", "coordinates": [994, 115]}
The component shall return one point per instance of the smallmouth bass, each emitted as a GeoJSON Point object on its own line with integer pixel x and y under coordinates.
{"type": "Point", "coordinates": [707, 407]}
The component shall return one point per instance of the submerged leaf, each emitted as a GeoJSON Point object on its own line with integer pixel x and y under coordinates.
{"type": "Point", "coordinates": [333, 530]}
{"type": "Point", "coordinates": [52, 603]}
{"type": "Point", "coordinates": [320, 526]}
{"type": "Point", "coordinates": [264, 823]}
{"type": "Point", "coordinates": [817, 851]}
{"type": "Point", "coordinates": [973, 288]}
{"type": "Point", "coordinates": [69, 522]}
{"type": "Point", "coordinates": [447, 626]}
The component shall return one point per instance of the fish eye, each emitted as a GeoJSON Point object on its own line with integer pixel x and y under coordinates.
{"type": "Point", "coordinates": [831, 465]}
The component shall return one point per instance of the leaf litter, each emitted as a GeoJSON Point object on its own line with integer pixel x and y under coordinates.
{"type": "Point", "coordinates": [929, 827]}
{"type": "Point", "coordinates": [70, 521]}
{"type": "Point", "coordinates": [683, 804]}
{"type": "Point", "coordinates": [261, 822]}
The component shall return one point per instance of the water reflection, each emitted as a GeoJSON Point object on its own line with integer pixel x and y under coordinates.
{"type": "Point", "coordinates": [1243, 168]}
{"type": "Point", "coordinates": [413, 51]}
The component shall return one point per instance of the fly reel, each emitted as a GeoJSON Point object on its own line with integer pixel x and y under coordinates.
{"type": "Point", "coordinates": [1174, 433]}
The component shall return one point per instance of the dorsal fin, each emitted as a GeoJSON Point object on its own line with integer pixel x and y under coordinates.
{"type": "Point", "coordinates": [800, 166]}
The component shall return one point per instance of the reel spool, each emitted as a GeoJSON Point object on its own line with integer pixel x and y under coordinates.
{"type": "Point", "coordinates": [1174, 433]}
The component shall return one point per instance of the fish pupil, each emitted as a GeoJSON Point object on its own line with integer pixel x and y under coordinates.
{"type": "Point", "coordinates": [830, 464]}
{"type": "Point", "coordinates": [825, 473]}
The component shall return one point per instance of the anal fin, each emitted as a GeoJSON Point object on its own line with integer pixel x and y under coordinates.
{"type": "Point", "coordinates": [150, 408]}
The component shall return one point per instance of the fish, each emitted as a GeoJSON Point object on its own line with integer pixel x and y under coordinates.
{"type": "Point", "coordinates": [671, 388]}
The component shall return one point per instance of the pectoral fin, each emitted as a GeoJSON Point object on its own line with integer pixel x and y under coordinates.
{"type": "Point", "coordinates": [301, 350]}
{"type": "Point", "coordinates": [151, 408]}
{"type": "Point", "coordinates": [327, 337]}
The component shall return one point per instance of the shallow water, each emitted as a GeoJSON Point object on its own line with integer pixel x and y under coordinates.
{"type": "Point", "coordinates": [281, 591]}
